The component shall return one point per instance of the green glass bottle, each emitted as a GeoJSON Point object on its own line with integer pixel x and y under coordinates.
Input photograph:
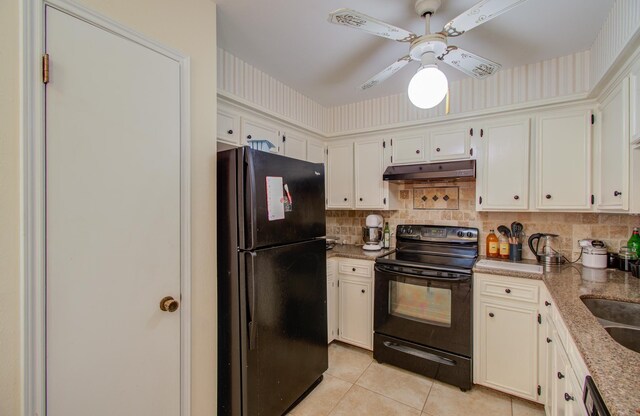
{"type": "Point", "coordinates": [386, 239]}
{"type": "Point", "coordinates": [634, 241]}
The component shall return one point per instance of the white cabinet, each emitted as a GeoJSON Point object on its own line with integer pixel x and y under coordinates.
{"type": "Point", "coordinates": [503, 170]}
{"type": "Point", "coordinates": [355, 302]}
{"type": "Point", "coordinates": [315, 152]}
{"type": "Point", "coordinates": [634, 103]}
{"type": "Point", "coordinates": [294, 146]}
{"type": "Point", "coordinates": [612, 150]}
{"type": "Point", "coordinates": [369, 167]}
{"type": "Point", "coordinates": [228, 127]}
{"type": "Point", "coordinates": [332, 300]}
{"type": "Point", "coordinates": [564, 160]}
{"type": "Point", "coordinates": [340, 175]}
{"type": "Point", "coordinates": [450, 143]}
{"type": "Point", "coordinates": [506, 334]}
{"type": "Point", "coordinates": [407, 149]}
{"type": "Point", "coordinates": [260, 130]}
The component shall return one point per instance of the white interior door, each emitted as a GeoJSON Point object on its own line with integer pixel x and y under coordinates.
{"type": "Point", "coordinates": [113, 174]}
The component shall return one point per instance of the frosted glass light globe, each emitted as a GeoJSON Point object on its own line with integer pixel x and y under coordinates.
{"type": "Point", "coordinates": [428, 87]}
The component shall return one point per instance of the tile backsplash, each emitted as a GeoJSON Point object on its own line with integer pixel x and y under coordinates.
{"type": "Point", "coordinates": [614, 229]}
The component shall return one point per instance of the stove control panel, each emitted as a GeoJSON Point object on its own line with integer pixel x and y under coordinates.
{"type": "Point", "coordinates": [437, 233]}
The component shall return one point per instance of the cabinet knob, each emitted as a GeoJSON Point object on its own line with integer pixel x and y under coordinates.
{"type": "Point", "coordinates": [248, 136]}
{"type": "Point", "coordinates": [516, 197]}
{"type": "Point", "coordinates": [547, 303]}
{"type": "Point", "coordinates": [418, 151]}
{"type": "Point", "coordinates": [548, 340]}
{"type": "Point", "coordinates": [548, 196]}
{"type": "Point", "coordinates": [230, 131]}
{"type": "Point", "coordinates": [362, 290]}
{"type": "Point", "coordinates": [507, 290]}
{"type": "Point", "coordinates": [491, 314]}
{"type": "Point", "coordinates": [353, 270]}
{"type": "Point", "coordinates": [568, 397]}
{"type": "Point", "coordinates": [560, 375]}
{"type": "Point", "coordinates": [437, 149]}
{"type": "Point", "coordinates": [360, 199]}
{"type": "Point", "coordinates": [345, 200]}
{"type": "Point", "coordinates": [617, 193]}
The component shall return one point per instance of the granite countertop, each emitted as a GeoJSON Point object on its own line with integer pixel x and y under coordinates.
{"type": "Point", "coordinates": [614, 368]}
{"type": "Point", "coordinates": [353, 251]}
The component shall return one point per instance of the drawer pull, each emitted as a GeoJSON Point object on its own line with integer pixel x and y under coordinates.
{"type": "Point", "coordinates": [548, 340]}
{"type": "Point", "coordinates": [547, 303]}
{"type": "Point", "coordinates": [617, 193]}
{"type": "Point", "coordinates": [548, 196]}
{"type": "Point", "coordinates": [507, 290]}
{"type": "Point", "coordinates": [560, 375]}
{"type": "Point", "coordinates": [437, 149]}
{"type": "Point", "coordinates": [491, 314]}
{"type": "Point", "coordinates": [568, 397]}
{"type": "Point", "coordinates": [516, 197]}
{"type": "Point", "coordinates": [353, 270]}
{"type": "Point", "coordinates": [362, 290]}
{"type": "Point", "coordinates": [229, 131]}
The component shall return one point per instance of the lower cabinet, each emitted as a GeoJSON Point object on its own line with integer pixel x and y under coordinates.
{"type": "Point", "coordinates": [506, 335]}
{"type": "Point", "coordinates": [350, 301]}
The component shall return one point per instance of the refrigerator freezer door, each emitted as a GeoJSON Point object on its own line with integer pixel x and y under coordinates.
{"type": "Point", "coordinates": [283, 199]}
{"type": "Point", "coordinates": [286, 331]}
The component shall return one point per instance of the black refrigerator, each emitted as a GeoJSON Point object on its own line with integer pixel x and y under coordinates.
{"type": "Point", "coordinates": [272, 297]}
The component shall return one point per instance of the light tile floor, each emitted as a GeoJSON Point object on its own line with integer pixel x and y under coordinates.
{"type": "Point", "coordinates": [355, 384]}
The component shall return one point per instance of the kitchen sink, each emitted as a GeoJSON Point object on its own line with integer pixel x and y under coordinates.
{"type": "Point", "coordinates": [625, 336]}
{"type": "Point", "coordinates": [620, 319]}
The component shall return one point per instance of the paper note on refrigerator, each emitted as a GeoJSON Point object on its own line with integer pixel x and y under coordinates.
{"type": "Point", "coordinates": [275, 200]}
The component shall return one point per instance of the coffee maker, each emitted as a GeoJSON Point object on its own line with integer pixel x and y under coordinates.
{"type": "Point", "coordinates": [544, 249]}
{"type": "Point", "coordinates": [372, 233]}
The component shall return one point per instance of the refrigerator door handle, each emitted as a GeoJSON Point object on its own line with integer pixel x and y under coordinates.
{"type": "Point", "coordinates": [250, 193]}
{"type": "Point", "coordinates": [251, 301]}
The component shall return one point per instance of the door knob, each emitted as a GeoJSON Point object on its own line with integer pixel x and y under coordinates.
{"type": "Point", "coordinates": [169, 304]}
{"type": "Point", "coordinates": [617, 193]}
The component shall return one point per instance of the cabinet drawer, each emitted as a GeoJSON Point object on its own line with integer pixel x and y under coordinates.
{"type": "Point", "coordinates": [509, 290]}
{"type": "Point", "coordinates": [355, 269]}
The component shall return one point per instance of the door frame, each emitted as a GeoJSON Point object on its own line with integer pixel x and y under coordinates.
{"type": "Point", "coordinates": [32, 223]}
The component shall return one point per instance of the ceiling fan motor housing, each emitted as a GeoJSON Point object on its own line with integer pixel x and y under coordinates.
{"type": "Point", "coordinates": [436, 43]}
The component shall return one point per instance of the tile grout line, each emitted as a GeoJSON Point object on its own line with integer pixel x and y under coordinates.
{"type": "Point", "coordinates": [341, 399]}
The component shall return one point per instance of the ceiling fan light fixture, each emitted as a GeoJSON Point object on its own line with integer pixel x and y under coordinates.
{"type": "Point", "coordinates": [428, 87]}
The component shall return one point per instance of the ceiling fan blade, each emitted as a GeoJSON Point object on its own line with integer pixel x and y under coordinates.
{"type": "Point", "coordinates": [478, 14]}
{"type": "Point", "coordinates": [469, 63]}
{"type": "Point", "coordinates": [386, 73]}
{"type": "Point", "coordinates": [352, 18]}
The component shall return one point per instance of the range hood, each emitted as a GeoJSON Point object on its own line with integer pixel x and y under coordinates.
{"type": "Point", "coordinates": [425, 172]}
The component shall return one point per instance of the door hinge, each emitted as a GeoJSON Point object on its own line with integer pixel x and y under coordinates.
{"type": "Point", "coordinates": [471, 132]}
{"type": "Point", "coordinates": [480, 200]}
{"type": "Point", "coordinates": [471, 152]}
{"type": "Point", "coordinates": [593, 119]}
{"type": "Point", "coordinates": [327, 152]}
{"type": "Point", "coordinates": [593, 199]}
{"type": "Point", "coordinates": [45, 68]}
{"type": "Point", "coordinates": [338, 331]}
{"type": "Point", "coordinates": [284, 139]}
{"type": "Point", "coordinates": [391, 159]}
{"type": "Point", "coordinates": [539, 390]}
{"type": "Point", "coordinates": [384, 201]}
{"type": "Point", "coordinates": [540, 319]}
{"type": "Point", "coordinates": [384, 144]}
{"type": "Point", "coordinates": [391, 142]}
{"type": "Point", "coordinates": [481, 132]}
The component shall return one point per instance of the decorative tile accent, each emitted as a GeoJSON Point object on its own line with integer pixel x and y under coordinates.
{"type": "Point", "coordinates": [436, 198]}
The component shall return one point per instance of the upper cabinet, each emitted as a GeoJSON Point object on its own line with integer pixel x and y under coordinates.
{"type": "Point", "coordinates": [503, 168]}
{"type": "Point", "coordinates": [612, 150]}
{"type": "Point", "coordinates": [228, 127]}
{"type": "Point", "coordinates": [369, 167]}
{"type": "Point", "coordinates": [634, 106]}
{"type": "Point", "coordinates": [294, 146]}
{"type": "Point", "coordinates": [261, 130]}
{"type": "Point", "coordinates": [449, 143]}
{"type": "Point", "coordinates": [563, 154]}
{"type": "Point", "coordinates": [340, 175]}
{"type": "Point", "coordinates": [315, 151]}
{"type": "Point", "coordinates": [408, 149]}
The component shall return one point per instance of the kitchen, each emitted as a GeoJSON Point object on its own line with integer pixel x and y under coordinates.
{"type": "Point", "coordinates": [542, 145]}
{"type": "Point", "coordinates": [536, 139]}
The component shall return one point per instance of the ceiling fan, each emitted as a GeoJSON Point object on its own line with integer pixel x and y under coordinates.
{"type": "Point", "coordinates": [429, 85]}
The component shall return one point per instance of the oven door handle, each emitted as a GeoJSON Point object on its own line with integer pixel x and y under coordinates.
{"type": "Point", "coordinates": [419, 354]}
{"type": "Point", "coordinates": [443, 279]}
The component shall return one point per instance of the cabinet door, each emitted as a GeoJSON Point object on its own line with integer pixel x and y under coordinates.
{"type": "Point", "coordinates": [503, 175]}
{"type": "Point", "coordinates": [294, 146]}
{"type": "Point", "coordinates": [612, 174]}
{"type": "Point", "coordinates": [561, 370]}
{"type": "Point", "coordinates": [228, 127]}
{"type": "Point", "coordinates": [369, 167]}
{"type": "Point", "coordinates": [634, 104]}
{"type": "Point", "coordinates": [451, 143]}
{"type": "Point", "coordinates": [407, 150]}
{"type": "Point", "coordinates": [340, 175]}
{"type": "Point", "coordinates": [564, 160]}
{"type": "Point", "coordinates": [356, 324]}
{"type": "Point", "coordinates": [258, 130]}
{"type": "Point", "coordinates": [508, 348]}
{"type": "Point", "coordinates": [315, 152]}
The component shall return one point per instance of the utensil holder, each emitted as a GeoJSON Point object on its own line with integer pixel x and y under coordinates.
{"type": "Point", "coordinates": [515, 252]}
{"type": "Point", "coordinates": [635, 269]}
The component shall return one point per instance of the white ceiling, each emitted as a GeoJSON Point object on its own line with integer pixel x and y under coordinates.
{"type": "Point", "coordinates": [292, 41]}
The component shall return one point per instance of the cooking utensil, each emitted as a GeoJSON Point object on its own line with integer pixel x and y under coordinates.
{"type": "Point", "coordinates": [516, 229]}
{"type": "Point", "coordinates": [504, 230]}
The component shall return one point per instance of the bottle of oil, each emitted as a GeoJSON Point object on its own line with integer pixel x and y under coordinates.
{"type": "Point", "coordinates": [492, 244]}
{"type": "Point", "coordinates": [386, 239]}
{"type": "Point", "coordinates": [504, 246]}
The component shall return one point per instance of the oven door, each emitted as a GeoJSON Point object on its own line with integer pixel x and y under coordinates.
{"type": "Point", "coordinates": [427, 310]}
